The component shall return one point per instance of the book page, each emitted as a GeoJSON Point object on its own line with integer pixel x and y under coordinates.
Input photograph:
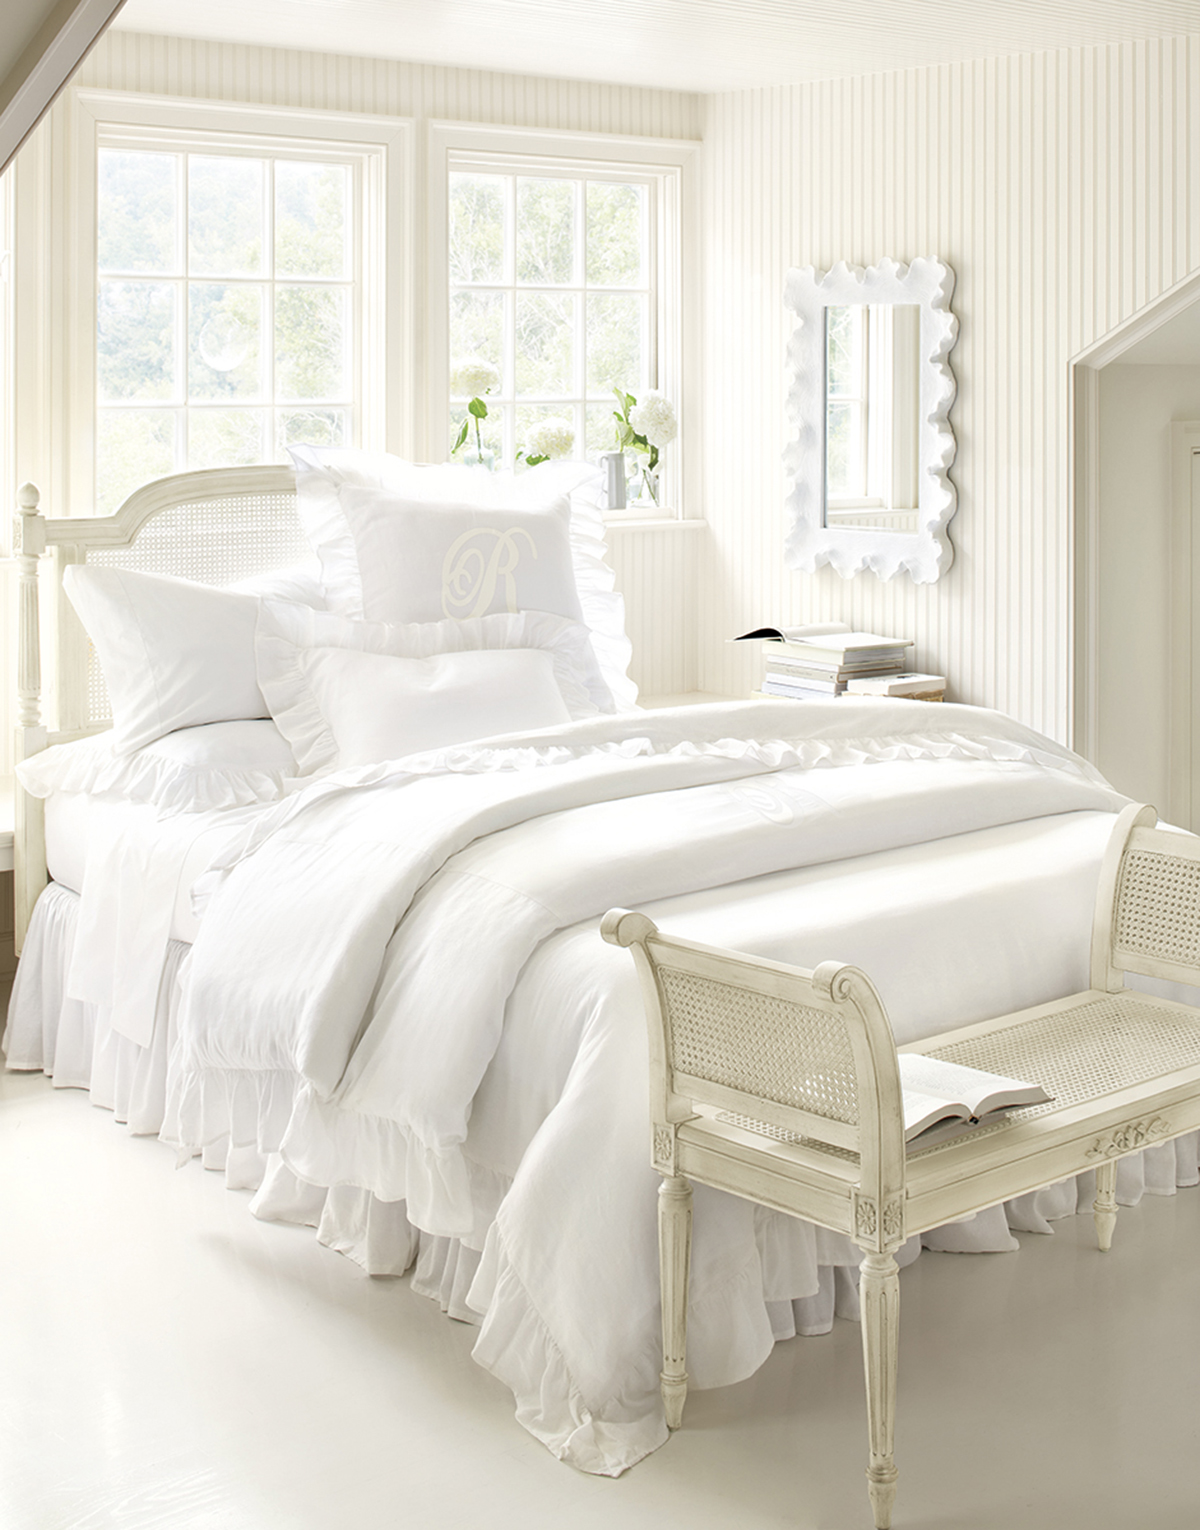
{"type": "Point", "coordinates": [921, 1110]}
{"type": "Point", "coordinates": [978, 1091]}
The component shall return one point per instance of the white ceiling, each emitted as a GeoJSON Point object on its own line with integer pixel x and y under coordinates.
{"type": "Point", "coordinates": [694, 45]}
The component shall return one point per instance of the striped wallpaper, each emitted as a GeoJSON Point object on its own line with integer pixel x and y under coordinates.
{"type": "Point", "coordinates": [1064, 190]}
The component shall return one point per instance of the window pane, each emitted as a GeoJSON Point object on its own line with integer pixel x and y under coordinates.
{"type": "Point", "coordinates": [311, 343]}
{"type": "Point", "coordinates": [616, 355]}
{"type": "Point", "coordinates": [843, 452]}
{"type": "Point", "coordinates": [545, 343]}
{"type": "Point", "coordinates": [843, 350]}
{"type": "Point", "coordinates": [225, 437]}
{"type": "Point", "coordinates": [225, 216]}
{"type": "Point", "coordinates": [601, 429]}
{"type": "Point", "coordinates": [616, 234]}
{"type": "Point", "coordinates": [477, 228]}
{"type": "Point", "coordinates": [477, 328]}
{"type": "Point", "coordinates": [133, 446]}
{"type": "Point", "coordinates": [224, 341]}
{"type": "Point", "coordinates": [545, 231]}
{"type": "Point", "coordinates": [135, 340]}
{"type": "Point", "coordinates": [137, 228]}
{"type": "Point", "coordinates": [312, 220]}
{"type": "Point", "coordinates": [312, 427]}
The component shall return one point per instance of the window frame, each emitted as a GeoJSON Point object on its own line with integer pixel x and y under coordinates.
{"type": "Point", "coordinates": [666, 167]}
{"type": "Point", "coordinates": [380, 149]}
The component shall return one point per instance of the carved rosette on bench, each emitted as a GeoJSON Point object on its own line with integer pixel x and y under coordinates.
{"type": "Point", "coordinates": [1127, 1139]}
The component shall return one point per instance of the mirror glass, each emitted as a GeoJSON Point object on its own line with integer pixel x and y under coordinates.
{"type": "Point", "coordinates": [870, 444]}
{"type": "Point", "coordinates": [872, 387]}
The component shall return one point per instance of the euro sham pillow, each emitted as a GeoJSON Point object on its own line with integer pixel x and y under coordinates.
{"type": "Point", "coordinates": [174, 654]}
{"type": "Point", "coordinates": [193, 770]}
{"type": "Point", "coordinates": [357, 507]}
{"type": "Point", "coordinates": [346, 693]}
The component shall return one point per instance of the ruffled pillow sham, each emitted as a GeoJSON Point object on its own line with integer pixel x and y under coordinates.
{"type": "Point", "coordinates": [194, 770]}
{"type": "Point", "coordinates": [344, 692]}
{"type": "Point", "coordinates": [364, 510]}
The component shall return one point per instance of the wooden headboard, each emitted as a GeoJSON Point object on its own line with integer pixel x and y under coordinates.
{"type": "Point", "coordinates": [214, 526]}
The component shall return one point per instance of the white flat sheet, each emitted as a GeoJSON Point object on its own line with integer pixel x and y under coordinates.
{"type": "Point", "coordinates": [70, 822]}
{"type": "Point", "coordinates": [133, 869]}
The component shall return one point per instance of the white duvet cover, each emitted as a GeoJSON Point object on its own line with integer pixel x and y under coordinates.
{"type": "Point", "coordinates": [351, 990]}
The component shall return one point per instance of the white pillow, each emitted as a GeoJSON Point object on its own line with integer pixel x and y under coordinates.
{"type": "Point", "coordinates": [194, 770]}
{"type": "Point", "coordinates": [301, 583]}
{"type": "Point", "coordinates": [323, 472]}
{"type": "Point", "coordinates": [174, 654]}
{"type": "Point", "coordinates": [355, 693]}
{"type": "Point", "coordinates": [416, 562]}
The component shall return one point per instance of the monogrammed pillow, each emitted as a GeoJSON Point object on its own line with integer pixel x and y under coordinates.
{"type": "Point", "coordinates": [426, 563]}
{"type": "Point", "coordinates": [341, 533]}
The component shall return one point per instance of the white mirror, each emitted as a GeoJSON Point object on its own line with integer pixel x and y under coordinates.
{"type": "Point", "coordinates": [869, 413]}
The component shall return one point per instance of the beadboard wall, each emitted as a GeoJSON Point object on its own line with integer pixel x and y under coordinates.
{"type": "Point", "coordinates": [1064, 190]}
{"type": "Point", "coordinates": [331, 82]}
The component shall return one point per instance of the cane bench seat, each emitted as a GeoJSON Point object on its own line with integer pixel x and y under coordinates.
{"type": "Point", "coordinates": [782, 1085]}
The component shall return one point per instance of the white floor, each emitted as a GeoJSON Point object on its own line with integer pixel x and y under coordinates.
{"type": "Point", "coordinates": [167, 1361]}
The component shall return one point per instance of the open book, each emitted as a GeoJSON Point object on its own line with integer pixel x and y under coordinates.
{"type": "Point", "coordinates": [795, 634]}
{"type": "Point", "coordinates": [942, 1099]}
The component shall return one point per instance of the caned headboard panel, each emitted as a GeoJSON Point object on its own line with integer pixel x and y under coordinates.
{"type": "Point", "coordinates": [214, 526]}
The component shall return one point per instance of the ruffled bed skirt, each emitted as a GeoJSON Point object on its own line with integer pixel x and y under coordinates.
{"type": "Point", "coordinates": [243, 1129]}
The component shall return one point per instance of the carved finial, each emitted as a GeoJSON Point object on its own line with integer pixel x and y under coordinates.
{"type": "Point", "coordinates": [28, 499]}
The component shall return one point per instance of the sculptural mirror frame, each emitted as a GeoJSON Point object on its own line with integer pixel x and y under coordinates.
{"type": "Point", "coordinates": [924, 554]}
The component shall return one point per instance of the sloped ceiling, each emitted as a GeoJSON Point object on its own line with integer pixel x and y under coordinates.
{"type": "Point", "coordinates": [41, 44]}
{"type": "Point", "coordinates": [691, 45]}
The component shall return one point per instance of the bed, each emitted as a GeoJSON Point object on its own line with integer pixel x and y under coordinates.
{"type": "Point", "coordinates": [359, 971]}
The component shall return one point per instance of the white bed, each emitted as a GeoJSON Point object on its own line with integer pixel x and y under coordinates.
{"type": "Point", "coordinates": [392, 1017]}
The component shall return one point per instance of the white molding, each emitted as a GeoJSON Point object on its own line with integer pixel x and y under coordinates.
{"type": "Point", "coordinates": [1084, 564]}
{"type": "Point", "coordinates": [1184, 747]}
{"type": "Point", "coordinates": [926, 553]}
{"type": "Point", "coordinates": [1112, 346]}
{"type": "Point", "coordinates": [669, 163]}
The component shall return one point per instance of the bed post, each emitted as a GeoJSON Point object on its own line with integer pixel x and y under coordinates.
{"type": "Point", "coordinates": [29, 839]}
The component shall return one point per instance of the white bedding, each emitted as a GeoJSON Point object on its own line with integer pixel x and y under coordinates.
{"type": "Point", "coordinates": [357, 1020]}
{"type": "Point", "coordinates": [398, 990]}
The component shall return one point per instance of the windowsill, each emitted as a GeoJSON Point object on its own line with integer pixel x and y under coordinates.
{"type": "Point", "coordinates": [7, 820]}
{"type": "Point", "coordinates": [667, 522]}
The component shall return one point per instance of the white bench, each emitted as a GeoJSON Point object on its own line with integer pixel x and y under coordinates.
{"type": "Point", "coordinates": [782, 1086]}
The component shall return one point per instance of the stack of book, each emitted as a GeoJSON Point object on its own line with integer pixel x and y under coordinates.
{"type": "Point", "coordinates": [809, 663]}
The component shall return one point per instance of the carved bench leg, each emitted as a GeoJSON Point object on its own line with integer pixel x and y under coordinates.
{"type": "Point", "coordinates": [1104, 1207]}
{"type": "Point", "coordinates": [674, 1256]}
{"type": "Point", "coordinates": [879, 1295]}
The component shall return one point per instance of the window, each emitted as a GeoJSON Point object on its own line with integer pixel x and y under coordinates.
{"type": "Point", "coordinates": [550, 284]}
{"type": "Point", "coordinates": [204, 284]}
{"type": "Point", "coordinates": [872, 383]}
{"type": "Point", "coordinates": [226, 310]}
{"type": "Point", "coordinates": [562, 274]}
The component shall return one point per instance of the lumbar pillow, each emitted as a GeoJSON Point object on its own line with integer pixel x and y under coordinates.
{"type": "Point", "coordinates": [174, 654]}
{"type": "Point", "coordinates": [344, 692]}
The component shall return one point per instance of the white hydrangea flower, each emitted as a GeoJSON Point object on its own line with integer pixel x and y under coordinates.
{"type": "Point", "coordinates": [654, 418]}
{"type": "Point", "coordinates": [472, 377]}
{"type": "Point", "coordinates": [552, 437]}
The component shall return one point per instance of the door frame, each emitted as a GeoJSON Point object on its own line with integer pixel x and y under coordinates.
{"type": "Point", "coordinates": [1185, 548]}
